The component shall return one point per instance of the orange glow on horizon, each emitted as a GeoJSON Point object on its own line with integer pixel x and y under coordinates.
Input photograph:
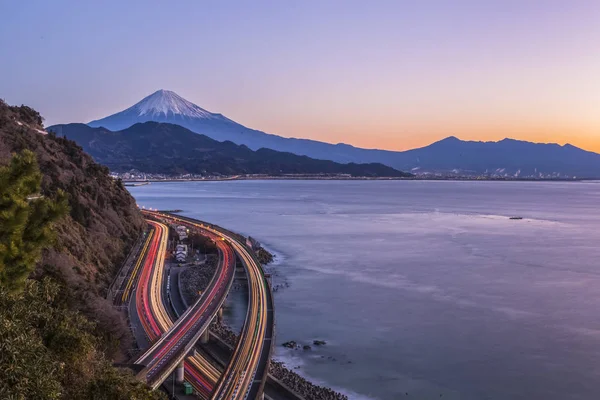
{"type": "Point", "coordinates": [420, 135]}
{"type": "Point", "coordinates": [422, 139]}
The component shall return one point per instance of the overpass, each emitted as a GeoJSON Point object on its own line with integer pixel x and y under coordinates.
{"type": "Point", "coordinates": [148, 261]}
{"type": "Point", "coordinates": [245, 375]}
{"type": "Point", "coordinates": [173, 342]}
{"type": "Point", "coordinates": [203, 368]}
{"type": "Point", "coordinates": [155, 321]}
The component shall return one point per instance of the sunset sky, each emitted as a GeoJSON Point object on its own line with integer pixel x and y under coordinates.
{"type": "Point", "coordinates": [376, 74]}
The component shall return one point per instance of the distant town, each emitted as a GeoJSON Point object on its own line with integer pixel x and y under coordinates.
{"type": "Point", "coordinates": [137, 177]}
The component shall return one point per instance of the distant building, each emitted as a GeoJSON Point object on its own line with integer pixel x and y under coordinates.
{"type": "Point", "coordinates": [181, 252]}
{"type": "Point", "coordinates": [182, 231]}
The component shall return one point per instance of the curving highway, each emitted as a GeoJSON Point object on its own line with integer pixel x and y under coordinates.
{"type": "Point", "coordinates": [172, 347]}
{"type": "Point", "coordinates": [199, 372]}
{"type": "Point", "coordinates": [155, 320]}
{"type": "Point", "coordinates": [239, 376]}
{"type": "Point", "coordinates": [245, 375]}
{"type": "Point", "coordinates": [173, 341]}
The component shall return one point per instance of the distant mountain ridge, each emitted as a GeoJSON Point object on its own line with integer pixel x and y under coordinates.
{"type": "Point", "coordinates": [451, 156]}
{"type": "Point", "coordinates": [507, 157]}
{"type": "Point", "coordinates": [162, 148]}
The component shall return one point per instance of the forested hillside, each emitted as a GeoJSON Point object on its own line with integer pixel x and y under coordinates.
{"type": "Point", "coordinates": [65, 225]}
{"type": "Point", "coordinates": [154, 147]}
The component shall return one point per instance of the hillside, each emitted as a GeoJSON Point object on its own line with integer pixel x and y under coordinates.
{"type": "Point", "coordinates": [172, 149]}
{"type": "Point", "coordinates": [90, 243]}
{"type": "Point", "coordinates": [104, 219]}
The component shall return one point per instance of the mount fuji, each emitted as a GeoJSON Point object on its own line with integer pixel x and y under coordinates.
{"type": "Point", "coordinates": [450, 156]}
{"type": "Point", "coordinates": [167, 106]}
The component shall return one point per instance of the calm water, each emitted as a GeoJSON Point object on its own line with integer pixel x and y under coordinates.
{"type": "Point", "coordinates": [424, 289]}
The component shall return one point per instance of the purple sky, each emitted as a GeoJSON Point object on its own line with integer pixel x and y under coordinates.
{"type": "Point", "coordinates": [387, 74]}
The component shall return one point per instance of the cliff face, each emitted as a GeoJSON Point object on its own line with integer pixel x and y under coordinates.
{"type": "Point", "coordinates": [103, 223]}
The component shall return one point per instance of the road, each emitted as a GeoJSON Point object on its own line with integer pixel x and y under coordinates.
{"type": "Point", "coordinates": [245, 375]}
{"type": "Point", "coordinates": [239, 377]}
{"type": "Point", "coordinates": [219, 353]}
{"type": "Point", "coordinates": [199, 372]}
{"type": "Point", "coordinates": [172, 341]}
{"type": "Point", "coordinates": [202, 378]}
{"type": "Point", "coordinates": [128, 285]}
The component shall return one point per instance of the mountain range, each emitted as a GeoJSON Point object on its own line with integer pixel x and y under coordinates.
{"type": "Point", "coordinates": [162, 148]}
{"type": "Point", "coordinates": [451, 156]}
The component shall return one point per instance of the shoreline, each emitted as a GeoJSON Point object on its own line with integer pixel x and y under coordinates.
{"type": "Point", "coordinates": [286, 362]}
{"type": "Point", "coordinates": [309, 388]}
{"type": "Point", "coordinates": [350, 395]}
{"type": "Point", "coordinates": [285, 369]}
{"type": "Point", "coordinates": [140, 182]}
{"type": "Point", "coordinates": [466, 241]}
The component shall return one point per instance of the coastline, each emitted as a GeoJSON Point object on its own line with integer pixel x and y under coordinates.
{"type": "Point", "coordinates": [466, 239]}
{"type": "Point", "coordinates": [140, 182]}
{"type": "Point", "coordinates": [269, 178]}
{"type": "Point", "coordinates": [287, 363]}
{"type": "Point", "coordinates": [278, 257]}
{"type": "Point", "coordinates": [309, 388]}
{"type": "Point", "coordinates": [283, 363]}
{"type": "Point", "coordinates": [290, 361]}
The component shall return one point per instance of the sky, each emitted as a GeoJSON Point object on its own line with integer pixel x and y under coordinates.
{"type": "Point", "coordinates": [377, 74]}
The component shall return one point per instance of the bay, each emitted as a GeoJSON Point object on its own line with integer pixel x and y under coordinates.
{"type": "Point", "coordinates": [424, 289]}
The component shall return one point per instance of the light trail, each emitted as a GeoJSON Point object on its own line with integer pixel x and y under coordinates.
{"type": "Point", "coordinates": [132, 277]}
{"type": "Point", "coordinates": [155, 319]}
{"type": "Point", "coordinates": [239, 375]}
{"type": "Point", "coordinates": [156, 316]}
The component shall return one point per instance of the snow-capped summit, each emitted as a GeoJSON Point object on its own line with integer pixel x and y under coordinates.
{"type": "Point", "coordinates": [506, 157]}
{"type": "Point", "coordinates": [165, 102]}
{"type": "Point", "coordinates": [163, 106]}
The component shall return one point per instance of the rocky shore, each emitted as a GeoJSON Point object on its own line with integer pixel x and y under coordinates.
{"type": "Point", "coordinates": [302, 386]}
{"type": "Point", "coordinates": [289, 378]}
{"type": "Point", "coordinates": [264, 256]}
{"type": "Point", "coordinates": [197, 278]}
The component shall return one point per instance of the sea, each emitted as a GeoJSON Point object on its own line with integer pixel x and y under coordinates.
{"type": "Point", "coordinates": [423, 289]}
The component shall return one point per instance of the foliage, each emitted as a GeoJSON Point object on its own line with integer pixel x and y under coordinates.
{"type": "Point", "coordinates": [49, 346]}
{"type": "Point", "coordinates": [94, 237]}
{"type": "Point", "coordinates": [113, 384]}
{"type": "Point", "coordinates": [26, 219]}
{"type": "Point", "coordinates": [23, 113]}
{"type": "Point", "coordinates": [202, 243]}
{"type": "Point", "coordinates": [49, 352]}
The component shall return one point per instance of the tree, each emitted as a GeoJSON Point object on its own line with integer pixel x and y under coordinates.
{"type": "Point", "coordinates": [113, 384]}
{"type": "Point", "coordinates": [49, 352]}
{"type": "Point", "coordinates": [28, 368]}
{"type": "Point", "coordinates": [26, 219]}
